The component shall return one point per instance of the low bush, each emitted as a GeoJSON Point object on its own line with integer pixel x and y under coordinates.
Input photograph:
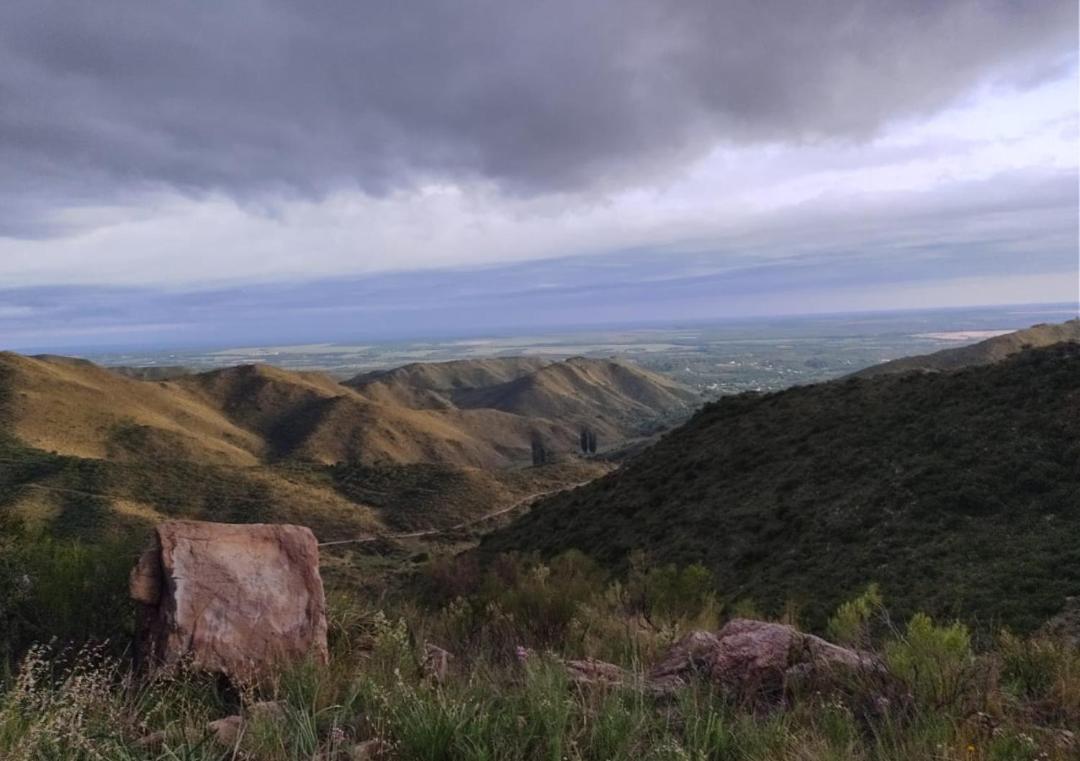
{"type": "Point", "coordinates": [64, 590]}
{"type": "Point", "coordinates": [936, 662]}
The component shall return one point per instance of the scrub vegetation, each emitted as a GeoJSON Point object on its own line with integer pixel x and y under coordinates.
{"type": "Point", "coordinates": [506, 693]}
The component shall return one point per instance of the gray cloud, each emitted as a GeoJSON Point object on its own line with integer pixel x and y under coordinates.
{"type": "Point", "coordinates": [259, 99]}
{"type": "Point", "coordinates": [979, 245]}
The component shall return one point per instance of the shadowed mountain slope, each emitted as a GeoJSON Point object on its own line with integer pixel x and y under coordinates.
{"type": "Point", "coordinates": [309, 416]}
{"type": "Point", "coordinates": [438, 384]}
{"type": "Point", "coordinates": [615, 399]}
{"type": "Point", "coordinates": [154, 373]}
{"type": "Point", "coordinates": [958, 492]}
{"type": "Point", "coordinates": [982, 353]}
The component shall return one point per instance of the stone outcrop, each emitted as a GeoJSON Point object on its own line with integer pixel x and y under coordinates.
{"type": "Point", "coordinates": [689, 657]}
{"type": "Point", "coordinates": [1066, 624]}
{"type": "Point", "coordinates": [757, 658]}
{"type": "Point", "coordinates": [593, 672]}
{"type": "Point", "coordinates": [232, 598]}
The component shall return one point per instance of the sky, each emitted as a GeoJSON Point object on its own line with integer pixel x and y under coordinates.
{"type": "Point", "coordinates": [259, 171]}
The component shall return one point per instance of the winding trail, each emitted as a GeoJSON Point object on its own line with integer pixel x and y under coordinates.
{"type": "Point", "coordinates": [528, 499]}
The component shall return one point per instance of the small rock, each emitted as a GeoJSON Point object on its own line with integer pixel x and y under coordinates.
{"type": "Point", "coordinates": [151, 741]}
{"type": "Point", "coordinates": [267, 710]}
{"type": "Point", "coordinates": [1066, 740]}
{"type": "Point", "coordinates": [593, 672]}
{"type": "Point", "coordinates": [225, 731]}
{"type": "Point", "coordinates": [369, 750]}
{"type": "Point", "coordinates": [436, 663]}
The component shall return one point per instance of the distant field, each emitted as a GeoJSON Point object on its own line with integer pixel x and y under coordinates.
{"type": "Point", "coordinates": [714, 358]}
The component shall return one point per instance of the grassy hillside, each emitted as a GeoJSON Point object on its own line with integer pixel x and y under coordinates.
{"type": "Point", "coordinates": [437, 384]}
{"type": "Point", "coordinates": [88, 452]}
{"type": "Point", "coordinates": [981, 353]}
{"type": "Point", "coordinates": [958, 493]}
{"type": "Point", "coordinates": [515, 688]}
{"type": "Point", "coordinates": [420, 496]}
{"type": "Point", "coordinates": [249, 415]}
{"type": "Point", "coordinates": [75, 408]}
{"type": "Point", "coordinates": [98, 499]}
{"type": "Point", "coordinates": [615, 399]}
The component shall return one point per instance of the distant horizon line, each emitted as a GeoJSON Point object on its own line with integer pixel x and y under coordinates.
{"type": "Point", "coordinates": [1033, 308]}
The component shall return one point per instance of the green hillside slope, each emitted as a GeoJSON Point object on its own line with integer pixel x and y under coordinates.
{"type": "Point", "coordinates": [958, 493]}
{"type": "Point", "coordinates": [982, 353]}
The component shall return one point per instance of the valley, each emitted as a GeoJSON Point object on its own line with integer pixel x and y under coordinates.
{"type": "Point", "coordinates": [480, 556]}
{"type": "Point", "coordinates": [540, 381]}
{"type": "Point", "coordinates": [712, 357]}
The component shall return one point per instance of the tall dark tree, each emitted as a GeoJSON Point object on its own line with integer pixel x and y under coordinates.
{"type": "Point", "coordinates": [539, 453]}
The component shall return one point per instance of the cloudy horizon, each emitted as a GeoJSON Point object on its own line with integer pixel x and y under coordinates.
{"type": "Point", "coordinates": [169, 169]}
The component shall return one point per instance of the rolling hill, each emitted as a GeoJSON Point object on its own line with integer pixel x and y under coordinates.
{"type": "Point", "coordinates": [958, 492]}
{"type": "Point", "coordinates": [981, 353]}
{"type": "Point", "coordinates": [256, 442]}
{"type": "Point", "coordinates": [438, 385]}
{"type": "Point", "coordinates": [615, 399]}
{"type": "Point", "coordinates": [253, 414]}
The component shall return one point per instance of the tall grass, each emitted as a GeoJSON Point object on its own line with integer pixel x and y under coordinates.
{"type": "Point", "coordinates": [507, 695]}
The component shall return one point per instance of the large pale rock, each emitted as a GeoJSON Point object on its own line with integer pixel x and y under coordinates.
{"type": "Point", "coordinates": [234, 598]}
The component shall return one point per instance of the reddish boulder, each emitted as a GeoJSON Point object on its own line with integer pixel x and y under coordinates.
{"type": "Point", "coordinates": [755, 658]}
{"type": "Point", "coordinates": [690, 656]}
{"type": "Point", "coordinates": [754, 655]}
{"type": "Point", "coordinates": [234, 598]}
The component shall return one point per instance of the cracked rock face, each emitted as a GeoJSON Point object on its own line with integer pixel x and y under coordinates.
{"type": "Point", "coordinates": [233, 598]}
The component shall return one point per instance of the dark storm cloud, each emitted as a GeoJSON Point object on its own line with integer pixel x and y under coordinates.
{"type": "Point", "coordinates": [103, 99]}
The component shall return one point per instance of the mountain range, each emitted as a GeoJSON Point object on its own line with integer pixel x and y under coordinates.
{"type": "Point", "coordinates": [285, 441]}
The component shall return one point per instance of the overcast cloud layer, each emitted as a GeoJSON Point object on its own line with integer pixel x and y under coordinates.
{"type": "Point", "coordinates": [167, 144]}
{"type": "Point", "coordinates": [252, 98]}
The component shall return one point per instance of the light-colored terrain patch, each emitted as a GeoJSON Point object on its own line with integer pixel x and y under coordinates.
{"type": "Point", "coordinates": [962, 335]}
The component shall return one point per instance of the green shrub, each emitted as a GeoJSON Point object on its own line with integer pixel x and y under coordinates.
{"type": "Point", "coordinates": [850, 625]}
{"type": "Point", "coordinates": [935, 661]}
{"type": "Point", "coordinates": [522, 601]}
{"type": "Point", "coordinates": [66, 590]}
{"type": "Point", "coordinates": [670, 592]}
{"type": "Point", "coordinates": [1044, 674]}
